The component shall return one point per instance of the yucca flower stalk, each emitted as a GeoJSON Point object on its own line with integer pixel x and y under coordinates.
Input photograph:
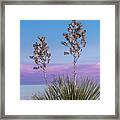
{"type": "Point", "coordinates": [75, 41]}
{"type": "Point", "coordinates": [41, 55]}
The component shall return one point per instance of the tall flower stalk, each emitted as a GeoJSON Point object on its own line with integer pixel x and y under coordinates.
{"type": "Point", "coordinates": [41, 56]}
{"type": "Point", "coordinates": [75, 41]}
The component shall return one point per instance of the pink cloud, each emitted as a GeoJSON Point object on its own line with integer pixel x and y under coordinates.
{"type": "Point", "coordinates": [30, 76]}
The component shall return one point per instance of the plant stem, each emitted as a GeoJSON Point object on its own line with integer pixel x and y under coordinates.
{"type": "Point", "coordinates": [74, 72]}
{"type": "Point", "coordinates": [45, 76]}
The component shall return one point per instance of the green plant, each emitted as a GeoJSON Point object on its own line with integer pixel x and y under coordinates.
{"type": "Point", "coordinates": [41, 55]}
{"type": "Point", "coordinates": [67, 89]}
{"type": "Point", "coordinates": [75, 41]}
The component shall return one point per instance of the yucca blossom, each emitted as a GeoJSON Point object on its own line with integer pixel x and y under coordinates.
{"type": "Point", "coordinates": [41, 55]}
{"type": "Point", "coordinates": [75, 41]}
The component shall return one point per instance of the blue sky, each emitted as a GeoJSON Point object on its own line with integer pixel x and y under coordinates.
{"type": "Point", "coordinates": [53, 31]}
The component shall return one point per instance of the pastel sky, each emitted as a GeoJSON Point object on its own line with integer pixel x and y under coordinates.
{"type": "Point", "coordinates": [53, 31]}
{"type": "Point", "coordinates": [35, 77]}
{"type": "Point", "coordinates": [87, 65]}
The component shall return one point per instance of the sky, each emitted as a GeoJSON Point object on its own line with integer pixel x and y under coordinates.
{"type": "Point", "coordinates": [53, 31]}
{"type": "Point", "coordinates": [35, 77]}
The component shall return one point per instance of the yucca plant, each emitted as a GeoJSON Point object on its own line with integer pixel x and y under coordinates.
{"type": "Point", "coordinates": [41, 55]}
{"type": "Point", "coordinates": [67, 89]}
{"type": "Point", "coordinates": [75, 41]}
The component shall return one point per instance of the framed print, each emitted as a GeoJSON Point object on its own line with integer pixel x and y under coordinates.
{"type": "Point", "coordinates": [60, 54]}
